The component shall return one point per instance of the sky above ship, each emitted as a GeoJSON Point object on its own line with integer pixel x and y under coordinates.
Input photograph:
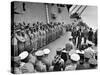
{"type": "Point", "coordinates": [89, 15]}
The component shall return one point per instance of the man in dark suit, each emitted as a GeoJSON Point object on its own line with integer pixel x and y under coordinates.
{"type": "Point", "coordinates": [74, 34]}
{"type": "Point", "coordinates": [79, 35]}
{"type": "Point", "coordinates": [90, 34]}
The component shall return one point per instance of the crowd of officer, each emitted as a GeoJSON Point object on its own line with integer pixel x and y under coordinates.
{"type": "Point", "coordinates": [66, 59]}
{"type": "Point", "coordinates": [27, 37]}
{"type": "Point", "coordinates": [82, 35]}
{"type": "Point", "coordinates": [31, 38]}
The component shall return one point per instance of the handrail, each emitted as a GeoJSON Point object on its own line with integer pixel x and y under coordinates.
{"type": "Point", "coordinates": [82, 10]}
{"type": "Point", "coordinates": [78, 9]}
{"type": "Point", "coordinates": [73, 9]}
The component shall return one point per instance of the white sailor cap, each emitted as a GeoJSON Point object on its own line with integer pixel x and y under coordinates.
{"type": "Point", "coordinates": [75, 57]}
{"type": "Point", "coordinates": [23, 55]}
{"type": "Point", "coordinates": [39, 53]}
{"type": "Point", "coordinates": [46, 51]}
{"type": "Point", "coordinates": [93, 61]}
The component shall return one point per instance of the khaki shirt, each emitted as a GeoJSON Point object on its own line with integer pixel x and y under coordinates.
{"type": "Point", "coordinates": [71, 67]}
{"type": "Point", "coordinates": [14, 41]}
{"type": "Point", "coordinates": [20, 38]}
{"type": "Point", "coordinates": [27, 68]}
